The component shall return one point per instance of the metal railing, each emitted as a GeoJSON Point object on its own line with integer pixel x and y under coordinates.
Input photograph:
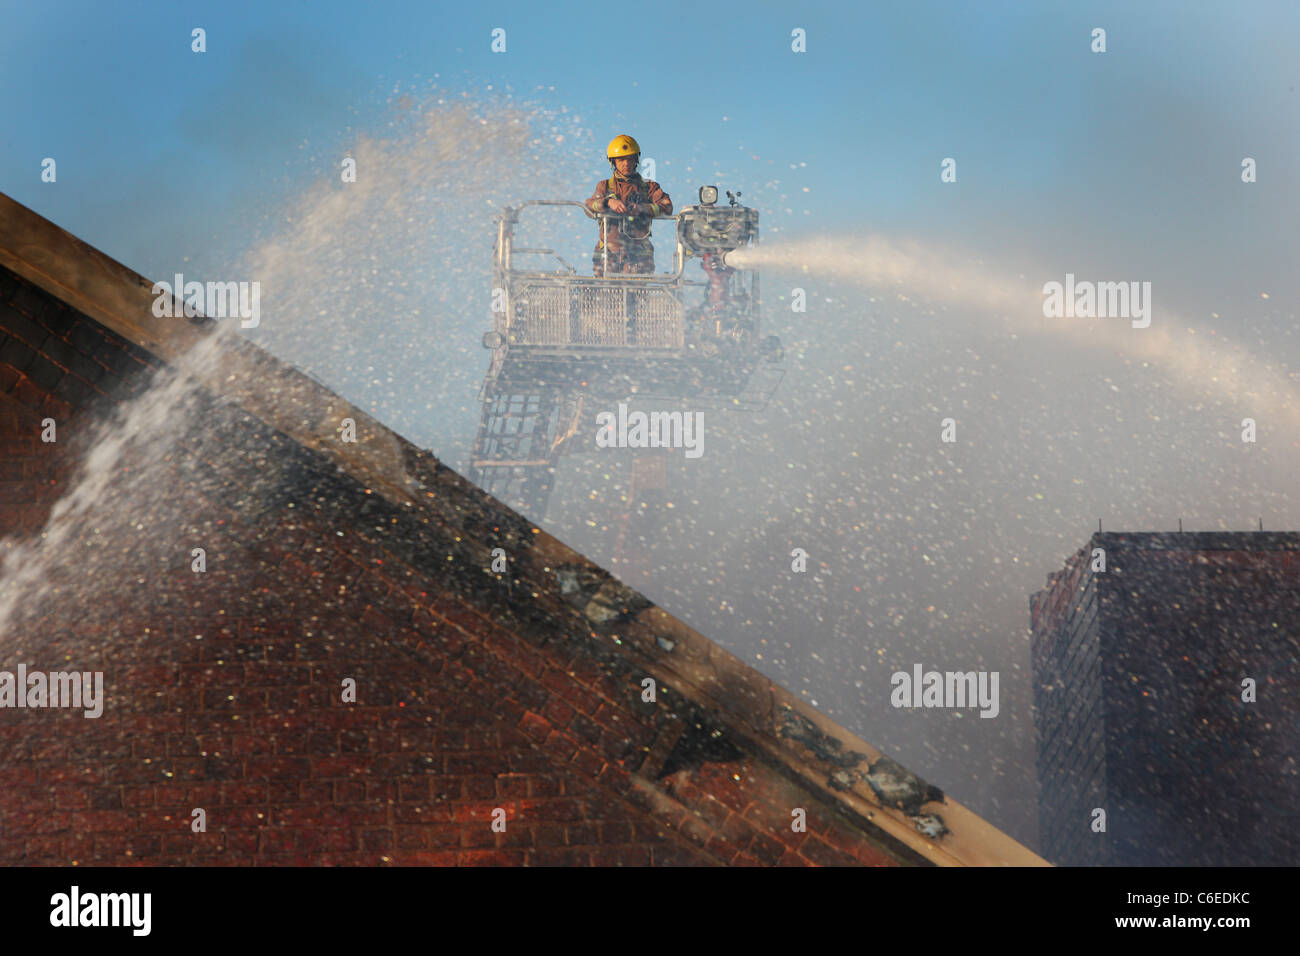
{"type": "Point", "coordinates": [605, 218]}
{"type": "Point", "coordinates": [562, 310]}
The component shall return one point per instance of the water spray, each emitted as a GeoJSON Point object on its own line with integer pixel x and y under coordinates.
{"type": "Point", "coordinates": [915, 269]}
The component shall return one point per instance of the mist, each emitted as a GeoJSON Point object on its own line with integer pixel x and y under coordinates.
{"type": "Point", "coordinates": [921, 551]}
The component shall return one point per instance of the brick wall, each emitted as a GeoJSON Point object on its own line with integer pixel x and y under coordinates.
{"type": "Point", "coordinates": [1069, 713]}
{"type": "Point", "coordinates": [1200, 777]}
{"type": "Point", "coordinates": [474, 691]}
{"type": "Point", "coordinates": [1140, 668]}
{"type": "Point", "coordinates": [54, 363]}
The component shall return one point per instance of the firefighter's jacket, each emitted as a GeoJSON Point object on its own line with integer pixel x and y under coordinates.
{"type": "Point", "coordinates": [643, 195]}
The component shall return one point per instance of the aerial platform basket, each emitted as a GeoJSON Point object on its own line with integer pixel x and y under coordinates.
{"type": "Point", "coordinates": [625, 333]}
{"type": "Point", "coordinates": [559, 338]}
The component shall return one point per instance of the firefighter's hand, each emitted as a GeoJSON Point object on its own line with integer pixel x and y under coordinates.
{"type": "Point", "coordinates": [617, 205]}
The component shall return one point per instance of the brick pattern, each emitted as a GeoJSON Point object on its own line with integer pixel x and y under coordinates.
{"type": "Point", "coordinates": [742, 813]}
{"type": "Point", "coordinates": [53, 359]}
{"type": "Point", "coordinates": [29, 470]}
{"type": "Point", "coordinates": [1146, 663]}
{"type": "Point", "coordinates": [1069, 714]}
{"type": "Point", "coordinates": [54, 362]}
{"type": "Point", "coordinates": [224, 689]}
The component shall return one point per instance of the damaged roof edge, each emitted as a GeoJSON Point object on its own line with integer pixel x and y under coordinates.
{"type": "Point", "coordinates": [837, 765]}
{"type": "Point", "coordinates": [840, 766]}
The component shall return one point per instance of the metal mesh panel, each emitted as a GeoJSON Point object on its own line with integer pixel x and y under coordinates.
{"type": "Point", "coordinates": [600, 315]}
{"type": "Point", "coordinates": [545, 315]}
{"type": "Point", "coordinates": [602, 319]}
{"type": "Point", "coordinates": [657, 319]}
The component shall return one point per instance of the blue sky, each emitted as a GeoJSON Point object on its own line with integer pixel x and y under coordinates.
{"type": "Point", "coordinates": [162, 150]}
{"type": "Point", "coordinates": [1122, 165]}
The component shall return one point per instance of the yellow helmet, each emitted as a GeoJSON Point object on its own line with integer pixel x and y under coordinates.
{"type": "Point", "coordinates": [622, 145]}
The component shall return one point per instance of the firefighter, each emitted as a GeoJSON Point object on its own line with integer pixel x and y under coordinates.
{"type": "Point", "coordinates": [630, 248]}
